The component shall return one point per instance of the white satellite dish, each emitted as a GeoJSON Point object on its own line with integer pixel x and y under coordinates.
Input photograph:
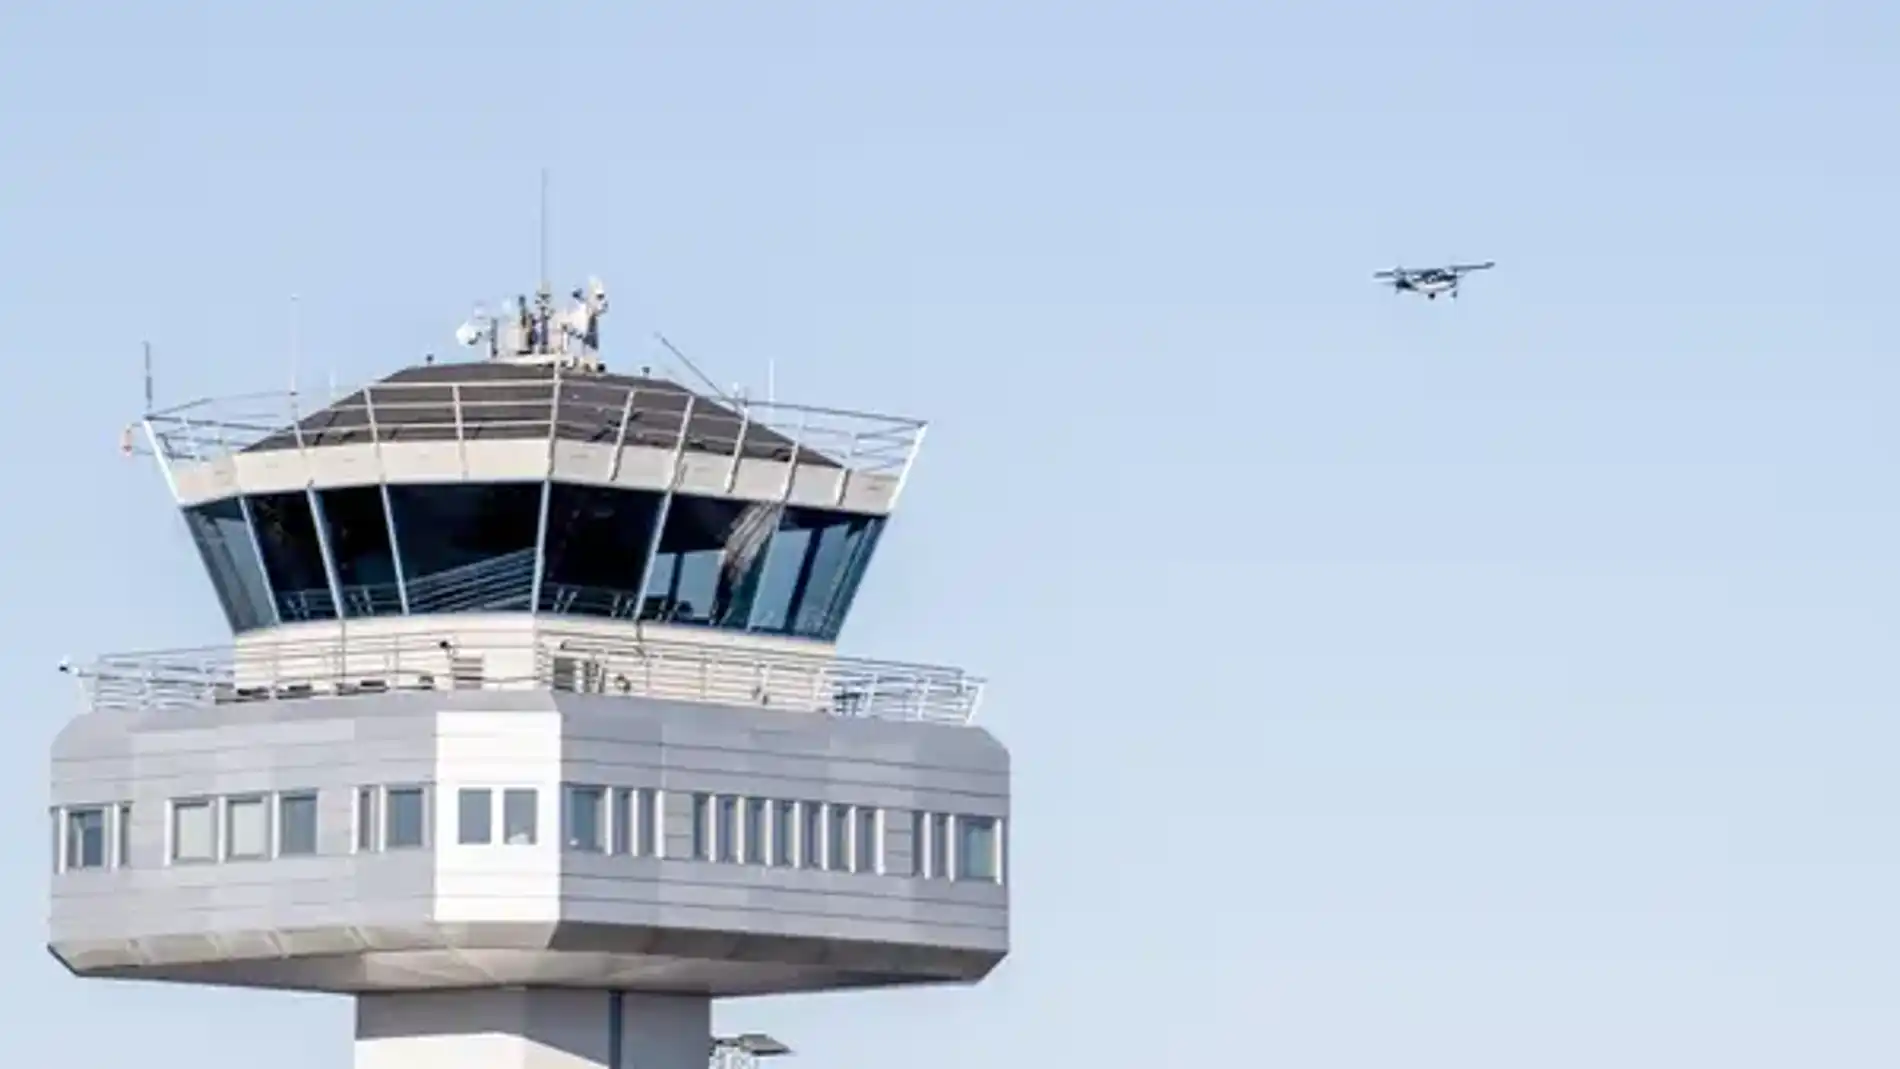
{"type": "Point", "coordinates": [468, 334]}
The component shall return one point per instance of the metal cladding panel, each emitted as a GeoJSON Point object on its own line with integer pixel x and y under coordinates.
{"type": "Point", "coordinates": [401, 920]}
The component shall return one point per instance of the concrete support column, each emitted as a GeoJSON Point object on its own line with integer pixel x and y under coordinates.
{"type": "Point", "coordinates": [532, 1028]}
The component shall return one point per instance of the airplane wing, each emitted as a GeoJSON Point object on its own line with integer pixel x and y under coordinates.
{"type": "Point", "coordinates": [1462, 268]}
{"type": "Point", "coordinates": [1400, 273]}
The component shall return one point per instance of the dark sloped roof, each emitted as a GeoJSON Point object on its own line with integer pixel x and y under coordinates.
{"type": "Point", "coordinates": [516, 401]}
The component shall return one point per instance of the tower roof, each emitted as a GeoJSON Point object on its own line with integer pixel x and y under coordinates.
{"type": "Point", "coordinates": [499, 401]}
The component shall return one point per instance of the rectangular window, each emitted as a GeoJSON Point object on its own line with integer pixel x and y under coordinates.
{"type": "Point", "coordinates": [405, 818]}
{"type": "Point", "coordinates": [518, 824]}
{"type": "Point", "coordinates": [624, 815]}
{"type": "Point", "coordinates": [124, 838]}
{"type": "Point", "coordinates": [864, 843]}
{"type": "Point", "coordinates": [586, 819]}
{"type": "Point", "coordinates": [838, 837]}
{"type": "Point", "coordinates": [296, 824]}
{"type": "Point", "coordinates": [784, 819]}
{"type": "Point", "coordinates": [246, 828]}
{"type": "Point", "coordinates": [194, 831]}
{"type": "Point", "coordinates": [86, 838]}
{"type": "Point", "coordinates": [474, 816]}
{"type": "Point", "coordinates": [702, 827]}
{"type": "Point", "coordinates": [366, 820]}
{"type": "Point", "coordinates": [755, 830]}
{"type": "Point", "coordinates": [939, 846]}
{"type": "Point", "coordinates": [811, 840]}
{"type": "Point", "coordinates": [726, 830]}
{"type": "Point", "coordinates": [976, 848]}
{"type": "Point", "coordinates": [649, 820]}
{"type": "Point", "coordinates": [918, 821]}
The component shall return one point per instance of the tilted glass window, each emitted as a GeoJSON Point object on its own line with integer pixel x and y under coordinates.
{"type": "Point", "coordinates": [702, 827]}
{"type": "Point", "coordinates": [939, 846]}
{"type": "Point", "coordinates": [864, 842]}
{"type": "Point", "coordinates": [710, 556]}
{"type": "Point", "coordinates": [838, 838]}
{"type": "Point", "coordinates": [367, 819]}
{"type": "Point", "coordinates": [726, 827]}
{"type": "Point", "coordinates": [467, 547]}
{"type": "Point", "coordinates": [812, 569]}
{"type": "Point", "coordinates": [224, 543]}
{"type": "Point", "coordinates": [784, 821]}
{"type": "Point", "coordinates": [755, 809]}
{"type": "Point", "coordinates": [293, 558]}
{"type": "Point", "coordinates": [596, 550]}
{"type": "Point", "coordinates": [357, 528]}
{"type": "Point", "coordinates": [811, 837]}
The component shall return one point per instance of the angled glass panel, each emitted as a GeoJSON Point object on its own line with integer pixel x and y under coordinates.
{"type": "Point", "coordinates": [596, 548]}
{"type": "Point", "coordinates": [812, 570]}
{"type": "Point", "coordinates": [293, 559]}
{"type": "Point", "coordinates": [467, 547]}
{"type": "Point", "coordinates": [358, 533]}
{"type": "Point", "coordinates": [224, 542]}
{"type": "Point", "coordinates": [711, 555]}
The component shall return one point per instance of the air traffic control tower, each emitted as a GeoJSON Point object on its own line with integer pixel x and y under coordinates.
{"type": "Point", "coordinates": [532, 736]}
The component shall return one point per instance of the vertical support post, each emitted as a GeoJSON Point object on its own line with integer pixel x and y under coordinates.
{"type": "Point", "coordinates": [738, 444]}
{"type": "Point", "coordinates": [461, 441]}
{"type": "Point", "coordinates": [547, 492]}
{"type": "Point", "coordinates": [322, 524]}
{"type": "Point", "coordinates": [395, 549]}
{"type": "Point", "coordinates": [263, 571]}
{"type": "Point", "coordinates": [620, 438]}
{"type": "Point", "coordinates": [666, 508]}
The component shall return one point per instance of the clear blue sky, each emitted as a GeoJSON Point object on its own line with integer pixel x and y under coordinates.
{"type": "Point", "coordinates": [1483, 685]}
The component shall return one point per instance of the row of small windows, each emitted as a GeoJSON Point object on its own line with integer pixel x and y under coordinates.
{"type": "Point", "coordinates": [556, 548]}
{"type": "Point", "coordinates": [627, 821]}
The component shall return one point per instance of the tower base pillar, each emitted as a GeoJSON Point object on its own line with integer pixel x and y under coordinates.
{"type": "Point", "coordinates": [532, 1028]}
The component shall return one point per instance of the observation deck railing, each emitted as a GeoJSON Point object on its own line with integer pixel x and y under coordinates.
{"type": "Point", "coordinates": [471, 402]}
{"type": "Point", "coordinates": [304, 667]}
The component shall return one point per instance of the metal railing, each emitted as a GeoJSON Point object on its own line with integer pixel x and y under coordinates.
{"type": "Point", "coordinates": [549, 659]}
{"type": "Point", "coordinates": [478, 406]}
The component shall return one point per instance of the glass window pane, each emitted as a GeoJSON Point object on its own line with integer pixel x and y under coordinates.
{"type": "Point", "coordinates": [125, 835]}
{"type": "Point", "coordinates": [811, 842]}
{"type": "Point", "coordinates": [811, 572]}
{"type": "Point", "coordinates": [702, 827]}
{"type": "Point", "coordinates": [86, 838]}
{"type": "Point", "coordinates": [625, 820]}
{"type": "Point", "coordinates": [864, 842]}
{"type": "Point", "coordinates": [838, 838]}
{"type": "Point", "coordinates": [517, 816]}
{"type": "Point", "coordinates": [727, 828]}
{"type": "Point", "coordinates": [755, 831]}
{"type": "Point", "coordinates": [366, 821]}
{"type": "Point", "coordinates": [297, 824]}
{"type": "Point", "coordinates": [649, 820]}
{"type": "Point", "coordinates": [976, 848]}
{"type": "Point", "coordinates": [597, 550]}
{"type": "Point", "coordinates": [784, 821]}
{"type": "Point", "coordinates": [474, 817]}
{"type": "Point", "coordinates": [939, 846]}
{"type": "Point", "coordinates": [584, 805]}
{"type": "Point", "coordinates": [194, 831]}
{"type": "Point", "coordinates": [710, 557]}
{"type": "Point", "coordinates": [358, 533]}
{"type": "Point", "coordinates": [293, 559]}
{"type": "Point", "coordinates": [246, 828]}
{"type": "Point", "coordinates": [224, 542]}
{"type": "Point", "coordinates": [917, 836]}
{"type": "Point", "coordinates": [467, 547]}
{"type": "Point", "coordinates": [406, 820]}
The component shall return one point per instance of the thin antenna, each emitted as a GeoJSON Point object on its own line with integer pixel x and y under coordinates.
{"type": "Point", "coordinates": [296, 340]}
{"type": "Point", "coordinates": [692, 367]}
{"type": "Point", "coordinates": [771, 380]}
{"type": "Point", "coordinates": [148, 378]}
{"type": "Point", "coordinates": [544, 229]}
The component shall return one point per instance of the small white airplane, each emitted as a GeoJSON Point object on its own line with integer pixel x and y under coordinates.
{"type": "Point", "coordinates": [1431, 281]}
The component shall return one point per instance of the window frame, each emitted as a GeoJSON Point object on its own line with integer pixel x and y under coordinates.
{"type": "Point", "coordinates": [66, 842]}
{"type": "Point", "coordinates": [280, 808]}
{"type": "Point", "coordinates": [572, 795]}
{"type": "Point", "coordinates": [511, 795]}
{"type": "Point", "coordinates": [963, 871]}
{"type": "Point", "coordinates": [463, 797]}
{"type": "Point", "coordinates": [192, 803]}
{"type": "Point", "coordinates": [228, 824]}
{"type": "Point", "coordinates": [388, 795]}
